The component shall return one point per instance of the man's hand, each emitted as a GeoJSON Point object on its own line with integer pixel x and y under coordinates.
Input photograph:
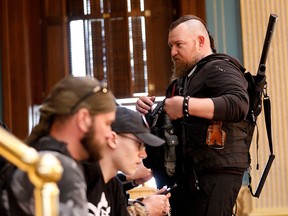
{"type": "Point", "coordinates": [157, 204]}
{"type": "Point", "coordinates": [144, 104]}
{"type": "Point", "coordinates": [174, 107]}
{"type": "Point", "coordinates": [141, 175]}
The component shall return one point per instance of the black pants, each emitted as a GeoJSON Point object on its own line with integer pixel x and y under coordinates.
{"type": "Point", "coordinates": [216, 197]}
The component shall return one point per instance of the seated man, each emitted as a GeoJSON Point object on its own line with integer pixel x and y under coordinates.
{"type": "Point", "coordinates": [75, 122]}
{"type": "Point", "coordinates": [123, 152]}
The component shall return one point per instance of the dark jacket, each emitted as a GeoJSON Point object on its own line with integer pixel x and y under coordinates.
{"type": "Point", "coordinates": [72, 185]}
{"type": "Point", "coordinates": [220, 78]}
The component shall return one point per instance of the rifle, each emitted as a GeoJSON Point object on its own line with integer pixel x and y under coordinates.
{"type": "Point", "coordinates": [260, 78]}
{"type": "Point", "coordinates": [256, 102]}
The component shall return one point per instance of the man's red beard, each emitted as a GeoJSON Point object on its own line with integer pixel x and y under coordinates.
{"type": "Point", "coordinates": [180, 68]}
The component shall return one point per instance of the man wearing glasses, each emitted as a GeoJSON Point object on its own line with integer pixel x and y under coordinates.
{"type": "Point", "coordinates": [123, 152]}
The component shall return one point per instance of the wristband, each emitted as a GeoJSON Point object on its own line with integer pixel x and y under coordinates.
{"type": "Point", "coordinates": [185, 107]}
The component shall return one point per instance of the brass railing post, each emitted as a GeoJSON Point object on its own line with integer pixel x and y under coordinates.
{"type": "Point", "coordinates": [44, 170]}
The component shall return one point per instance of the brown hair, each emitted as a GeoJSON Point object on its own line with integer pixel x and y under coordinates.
{"type": "Point", "coordinates": [66, 98]}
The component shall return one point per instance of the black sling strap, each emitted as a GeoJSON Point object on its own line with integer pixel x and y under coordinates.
{"type": "Point", "coordinates": [267, 113]}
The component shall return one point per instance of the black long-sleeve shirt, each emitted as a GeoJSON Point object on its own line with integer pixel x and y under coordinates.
{"type": "Point", "coordinates": [223, 82]}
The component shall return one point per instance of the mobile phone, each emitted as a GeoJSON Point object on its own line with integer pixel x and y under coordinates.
{"type": "Point", "coordinates": [168, 190]}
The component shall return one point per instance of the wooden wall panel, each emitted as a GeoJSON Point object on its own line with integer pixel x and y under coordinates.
{"type": "Point", "coordinates": [159, 16]}
{"type": "Point", "coordinates": [54, 58]}
{"type": "Point", "coordinates": [35, 52]}
{"type": "Point", "coordinates": [54, 8]}
{"type": "Point", "coordinates": [116, 40]}
{"type": "Point", "coordinates": [195, 7]}
{"type": "Point", "coordinates": [55, 42]}
{"type": "Point", "coordinates": [255, 14]}
{"type": "Point", "coordinates": [34, 56]}
{"type": "Point", "coordinates": [15, 65]}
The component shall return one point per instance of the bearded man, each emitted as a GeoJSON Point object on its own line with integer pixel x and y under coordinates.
{"type": "Point", "coordinates": [208, 103]}
{"type": "Point", "coordinates": [75, 123]}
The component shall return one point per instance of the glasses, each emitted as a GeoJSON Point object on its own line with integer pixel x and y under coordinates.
{"type": "Point", "coordinates": [141, 145]}
{"type": "Point", "coordinates": [102, 87]}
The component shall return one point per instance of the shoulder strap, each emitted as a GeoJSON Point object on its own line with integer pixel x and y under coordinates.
{"type": "Point", "coordinates": [170, 146]}
{"type": "Point", "coordinates": [267, 113]}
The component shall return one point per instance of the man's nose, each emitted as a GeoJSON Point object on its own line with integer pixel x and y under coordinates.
{"type": "Point", "coordinates": [143, 154]}
{"type": "Point", "coordinates": [173, 52]}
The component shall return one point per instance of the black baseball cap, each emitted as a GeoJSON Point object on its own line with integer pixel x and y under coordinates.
{"type": "Point", "coordinates": [129, 121]}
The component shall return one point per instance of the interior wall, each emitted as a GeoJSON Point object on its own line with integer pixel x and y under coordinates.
{"type": "Point", "coordinates": [254, 16]}
{"type": "Point", "coordinates": [14, 25]}
{"type": "Point", "coordinates": [34, 50]}
{"type": "Point", "coordinates": [224, 23]}
{"type": "Point", "coordinates": [1, 115]}
{"type": "Point", "coordinates": [33, 43]}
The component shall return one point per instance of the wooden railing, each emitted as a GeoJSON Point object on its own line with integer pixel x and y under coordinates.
{"type": "Point", "coordinates": [43, 171]}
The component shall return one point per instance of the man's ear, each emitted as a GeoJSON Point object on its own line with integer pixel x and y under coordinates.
{"type": "Point", "coordinates": [112, 140]}
{"type": "Point", "coordinates": [201, 40]}
{"type": "Point", "coordinates": [84, 119]}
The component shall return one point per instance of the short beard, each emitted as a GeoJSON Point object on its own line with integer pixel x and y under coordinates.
{"type": "Point", "coordinates": [182, 68]}
{"type": "Point", "coordinates": [91, 146]}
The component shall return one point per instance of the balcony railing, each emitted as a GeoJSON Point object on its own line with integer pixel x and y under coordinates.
{"type": "Point", "coordinates": [43, 171]}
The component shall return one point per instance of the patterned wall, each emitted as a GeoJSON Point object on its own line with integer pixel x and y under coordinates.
{"type": "Point", "coordinates": [254, 17]}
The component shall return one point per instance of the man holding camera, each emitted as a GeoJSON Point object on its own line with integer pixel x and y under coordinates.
{"type": "Point", "coordinates": [207, 103]}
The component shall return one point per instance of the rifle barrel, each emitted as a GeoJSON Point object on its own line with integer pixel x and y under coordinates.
{"type": "Point", "coordinates": [266, 44]}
